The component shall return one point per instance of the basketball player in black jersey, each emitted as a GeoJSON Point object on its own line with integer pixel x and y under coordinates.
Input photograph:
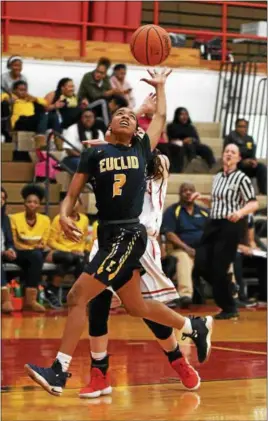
{"type": "Point", "coordinates": [118, 175]}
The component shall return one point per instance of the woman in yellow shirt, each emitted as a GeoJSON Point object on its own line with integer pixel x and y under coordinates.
{"type": "Point", "coordinates": [30, 231]}
{"type": "Point", "coordinates": [28, 112]}
{"type": "Point", "coordinates": [66, 253]}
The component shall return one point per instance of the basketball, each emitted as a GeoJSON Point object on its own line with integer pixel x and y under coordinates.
{"type": "Point", "coordinates": [150, 45]}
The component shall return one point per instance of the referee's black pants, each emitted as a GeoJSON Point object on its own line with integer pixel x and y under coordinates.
{"type": "Point", "coordinates": [214, 255]}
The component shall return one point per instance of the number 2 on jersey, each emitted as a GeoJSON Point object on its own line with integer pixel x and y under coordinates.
{"type": "Point", "coordinates": [119, 181]}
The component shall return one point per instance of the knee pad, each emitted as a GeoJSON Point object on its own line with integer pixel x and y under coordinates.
{"type": "Point", "coordinates": [160, 331]}
{"type": "Point", "coordinates": [98, 314]}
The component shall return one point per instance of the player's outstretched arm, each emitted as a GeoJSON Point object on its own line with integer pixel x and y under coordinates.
{"type": "Point", "coordinates": [77, 184]}
{"type": "Point", "coordinates": [157, 125]}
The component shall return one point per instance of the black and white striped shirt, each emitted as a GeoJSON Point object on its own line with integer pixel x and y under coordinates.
{"type": "Point", "coordinates": [230, 192]}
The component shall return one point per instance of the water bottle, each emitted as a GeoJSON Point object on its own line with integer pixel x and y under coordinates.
{"type": "Point", "coordinates": [41, 295]}
{"type": "Point", "coordinates": [16, 288]}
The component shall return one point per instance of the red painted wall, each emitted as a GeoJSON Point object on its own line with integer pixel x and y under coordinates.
{"type": "Point", "coordinates": [115, 13]}
{"type": "Point", "coordinates": [110, 12]}
{"type": "Point", "coordinates": [58, 10]}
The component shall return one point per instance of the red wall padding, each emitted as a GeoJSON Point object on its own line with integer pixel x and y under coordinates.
{"type": "Point", "coordinates": [98, 14]}
{"type": "Point", "coordinates": [58, 10]}
{"type": "Point", "coordinates": [109, 12]}
{"type": "Point", "coordinates": [115, 13]}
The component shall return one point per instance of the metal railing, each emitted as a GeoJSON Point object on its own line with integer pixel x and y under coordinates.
{"type": "Point", "coordinates": [84, 24]}
{"type": "Point", "coordinates": [242, 93]}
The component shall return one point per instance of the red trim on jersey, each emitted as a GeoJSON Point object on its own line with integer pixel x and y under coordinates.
{"type": "Point", "coordinates": [160, 197]}
{"type": "Point", "coordinates": [153, 248]}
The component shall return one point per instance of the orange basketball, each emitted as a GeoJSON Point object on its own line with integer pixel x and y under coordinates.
{"type": "Point", "coordinates": [150, 45]}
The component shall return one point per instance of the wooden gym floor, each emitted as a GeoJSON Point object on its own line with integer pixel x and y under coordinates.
{"type": "Point", "coordinates": [145, 387]}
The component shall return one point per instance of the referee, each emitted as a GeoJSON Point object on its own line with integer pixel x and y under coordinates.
{"type": "Point", "coordinates": [232, 198]}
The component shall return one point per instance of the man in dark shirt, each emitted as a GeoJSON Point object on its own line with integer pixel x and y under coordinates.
{"type": "Point", "coordinates": [184, 223]}
{"type": "Point", "coordinates": [248, 164]}
{"type": "Point", "coordinates": [247, 257]}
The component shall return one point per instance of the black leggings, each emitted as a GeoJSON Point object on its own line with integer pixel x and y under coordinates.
{"type": "Point", "coordinates": [31, 262]}
{"type": "Point", "coordinates": [66, 260]}
{"type": "Point", "coordinates": [176, 154]}
{"type": "Point", "coordinates": [98, 316]}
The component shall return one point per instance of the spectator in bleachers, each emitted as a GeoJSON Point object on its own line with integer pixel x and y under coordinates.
{"type": "Point", "coordinates": [66, 253]}
{"type": "Point", "coordinates": [115, 102]}
{"type": "Point", "coordinates": [184, 224]}
{"type": "Point", "coordinates": [63, 105]}
{"type": "Point", "coordinates": [14, 65]}
{"type": "Point", "coordinates": [245, 258]}
{"type": "Point", "coordinates": [85, 129]}
{"type": "Point", "coordinates": [118, 81]}
{"type": "Point", "coordinates": [30, 231]}
{"type": "Point", "coordinates": [96, 88]}
{"type": "Point", "coordinates": [8, 253]}
{"type": "Point", "coordinates": [248, 164]}
{"type": "Point", "coordinates": [28, 112]}
{"type": "Point", "coordinates": [185, 141]}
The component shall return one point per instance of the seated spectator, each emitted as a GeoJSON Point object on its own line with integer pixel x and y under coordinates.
{"type": "Point", "coordinates": [7, 252]}
{"type": "Point", "coordinates": [248, 164]}
{"type": "Point", "coordinates": [185, 141]}
{"type": "Point", "coordinates": [65, 252]}
{"type": "Point", "coordinates": [5, 120]}
{"type": "Point", "coordinates": [96, 88]}
{"type": "Point", "coordinates": [85, 129]}
{"type": "Point", "coordinates": [30, 231]}
{"type": "Point", "coordinates": [63, 105]}
{"type": "Point", "coordinates": [246, 258]}
{"type": "Point", "coordinates": [28, 112]}
{"type": "Point", "coordinates": [14, 65]}
{"type": "Point", "coordinates": [118, 81]}
{"type": "Point", "coordinates": [115, 102]}
{"type": "Point", "coordinates": [184, 225]}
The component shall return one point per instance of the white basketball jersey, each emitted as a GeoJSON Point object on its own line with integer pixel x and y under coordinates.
{"type": "Point", "coordinates": [153, 206]}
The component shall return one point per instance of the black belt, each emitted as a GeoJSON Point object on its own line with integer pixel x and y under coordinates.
{"type": "Point", "coordinates": [121, 221]}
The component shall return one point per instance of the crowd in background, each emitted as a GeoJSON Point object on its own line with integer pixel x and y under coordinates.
{"type": "Point", "coordinates": [29, 239]}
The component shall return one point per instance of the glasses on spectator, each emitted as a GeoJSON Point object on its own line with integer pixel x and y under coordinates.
{"type": "Point", "coordinates": [100, 72]}
{"type": "Point", "coordinates": [242, 126]}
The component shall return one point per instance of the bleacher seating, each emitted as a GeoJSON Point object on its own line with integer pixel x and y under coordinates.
{"type": "Point", "coordinates": [15, 174]}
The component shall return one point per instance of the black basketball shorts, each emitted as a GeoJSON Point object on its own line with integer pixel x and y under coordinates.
{"type": "Point", "coordinates": [120, 250]}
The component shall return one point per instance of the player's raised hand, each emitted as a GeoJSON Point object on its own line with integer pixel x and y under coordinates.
{"type": "Point", "coordinates": [157, 78]}
{"type": "Point", "coordinates": [70, 229]}
{"type": "Point", "coordinates": [149, 104]}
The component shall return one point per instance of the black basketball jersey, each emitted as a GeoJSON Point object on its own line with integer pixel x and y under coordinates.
{"type": "Point", "coordinates": [118, 177]}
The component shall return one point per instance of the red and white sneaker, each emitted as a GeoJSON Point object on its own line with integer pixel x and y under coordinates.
{"type": "Point", "coordinates": [187, 374]}
{"type": "Point", "coordinates": [98, 385]}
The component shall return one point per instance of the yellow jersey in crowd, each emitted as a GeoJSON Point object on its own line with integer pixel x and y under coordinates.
{"type": "Point", "coordinates": [71, 101]}
{"type": "Point", "coordinates": [26, 237]}
{"type": "Point", "coordinates": [22, 107]}
{"type": "Point", "coordinates": [58, 241]}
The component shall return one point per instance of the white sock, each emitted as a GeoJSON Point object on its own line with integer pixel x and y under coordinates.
{"type": "Point", "coordinates": [98, 355]}
{"type": "Point", "coordinates": [187, 327]}
{"type": "Point", "coordinates": [65, 360]}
